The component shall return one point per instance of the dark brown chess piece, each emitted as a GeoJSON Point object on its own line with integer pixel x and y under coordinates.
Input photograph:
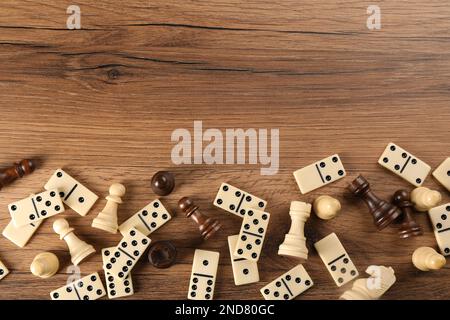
{"type": "Point", "coordinates": [408, 226]}
{"type": "Point", "coordinates": [207, 226]}
{"type": "Point", "coordinates": [163, 183]}
{"type": "Point", "coordinates": [383, 212]}
{"type": "Point", "coordinates": [162, 254]}
{"type": "Point", "coordinates": [17, 170]}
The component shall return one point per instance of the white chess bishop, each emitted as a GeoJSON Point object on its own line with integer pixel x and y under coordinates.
{"type": "Point", "coordinates": [294, 244]}
{"type": "Point", "coordinates": [107, 219]}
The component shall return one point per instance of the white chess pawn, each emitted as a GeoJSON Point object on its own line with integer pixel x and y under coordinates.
{"type": "Point", "coordinates": [326, 207]}
{"type": "Point", "coordinates": [45, 265]}
{"type": "Point", "coordinates": [426, 259]}
{"type": "Point", "coordinates": [107, 219]}
{"type": "Point", "coordinates": [78, 249]}
{"type": "Point", "coordinates": [294, 244]}
{"type": "Point", "coordinates": [424, 199]}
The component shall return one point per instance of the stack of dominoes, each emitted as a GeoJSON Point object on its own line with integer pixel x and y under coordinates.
{"type": "Point", "coordinates": [246, 247]}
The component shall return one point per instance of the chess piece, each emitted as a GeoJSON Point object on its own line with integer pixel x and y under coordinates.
{"type": "Point", "coordinates": [424, 199]}
{"type": "Point", "coordinates": [162, 254]}
{"type": "Point", "coordinates": [207, 226]}
{"type": "Point", "coordinates": [45, 265]}
{"type": "Point", "coordinates": [79, 250]}
{"type": "Point", "coordinates": [17, 170]}
{"type": "Point", "coordinates": [294, 244]}
{"type": "Point", "coordinates": [107, 219]}
{"type": "Point", "coordinates": [326, 207]}
{"type": "Point", "coordinates": [426, 259]}
{"type": "Point", "coordinates": [383, 212]}
{"type": "Point", "coordinates": [408, 226]}
{"type": "Point", "coordinates": [163, 183]}
{"type": "Point", "coordinates": [373, 288]}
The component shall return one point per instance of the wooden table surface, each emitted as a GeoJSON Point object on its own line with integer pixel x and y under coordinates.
{"type": "Point", "coordinates": [102, 103]}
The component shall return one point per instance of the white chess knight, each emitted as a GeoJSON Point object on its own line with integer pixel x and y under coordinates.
{"type": "Point", "coordinates": [78, 249]}
{"type": "Point", "coordinates": [294, 244]}
{"type": "Point", "coordinates": [107, 219]}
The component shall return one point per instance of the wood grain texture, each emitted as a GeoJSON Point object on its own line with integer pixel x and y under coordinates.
{"type": "Point", "coordinates": [102, 103]}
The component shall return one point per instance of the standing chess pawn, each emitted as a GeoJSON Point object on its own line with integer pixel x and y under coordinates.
{"type": "Point", "coordinates": [383, 212]}
{"type": "Point", "coordinates": [408, 226]}
{"type": "Point", "coordinates": [107, 219]}
{"type": "Point", "coordinates": [294, 244]}
{"type": "Point", "coordinates": [207, 226]}
{"type": "Point", "coordinates": [17, 170]}
{"type": "Point", "coordinates": [78, 249]}
{"type": "Point", "coordinates": [45, 265]}
{"type": "Point", "coordinates": [163, 183]}
{"type": "Point", "coordinates": [326, 207]}
{"type": "Point", "coordinates": [426, 259]}
{"type": "Point", "coordinates": [424, 199]}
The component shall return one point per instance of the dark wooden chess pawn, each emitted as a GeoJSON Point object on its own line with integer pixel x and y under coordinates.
{"type": "Point", "coordinates": [163, 183]}
{"type": "Point", "coordinates": [382, 211]}
{"type": "Point", "coordinates": [17, 170]}
{"type": "Point", "coordinates": [207, 226]}
{"type": "Point", "coordinates": [162, 254]}
{"type": "Point", "coordinates": [408, 226]}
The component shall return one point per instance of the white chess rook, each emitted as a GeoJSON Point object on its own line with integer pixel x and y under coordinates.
{"type": "Point", "coordinates": [78, 249]}
{"type": "Point", "coordinates": [45, 265]}
{"type": "Point", "coordinates": [107, 219]}
{"type": "Point", "coordinates": [294, 244]}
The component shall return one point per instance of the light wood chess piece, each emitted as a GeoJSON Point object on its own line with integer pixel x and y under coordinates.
{"type": "Point", "coordinates": [45, 265]}
{"type": "Point", "coordinates": [426, 259]}
{"type": "Point", "coordinates": [294, 244]}
{"type": "Point", "coordinates": [326, 207]}
{"type": "Point", "coordinates": [424, 199]}
{"type": "Point", "coordinates": [79, 250]}
{"type": "Point", "coordinates": [107, 219]}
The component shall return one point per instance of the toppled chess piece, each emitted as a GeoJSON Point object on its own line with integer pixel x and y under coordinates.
{"type": "Point", "coordinates": [326, 207]}
{"type": "Point", "coordinates": [162, 254]}
{"type": "Point", "coordinates": [107, 219]}
{"type": "Point", "coordinates": [426, 259]}
{"type": "Point", "coordinates": [294, 244]}
{"type": "Point", "coordinates": [163, 183]}
{"type": "Point", "coordinates": [373, 288]}
{"type": "Point", "coordinates": [207, 226]}
{"type": "Point", "coordinates": [382, 211]}
{"type": "Point", "coordinates": [17, 170]}
{"type": "Point", "coordinates": [408, 226]}
{"type": "Point", "coordinates": [79, 250]}
{"type": "Point", "coordinates": [45, 265]}
{"type": "Point", "coordinates": [424, 199]}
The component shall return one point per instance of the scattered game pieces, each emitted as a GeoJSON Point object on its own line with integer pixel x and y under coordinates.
{"type": "Point", "coordinates": [442, 173]}
{"type": "Point", "coordinates": [244, 271]}
{"type": "Point", "coordinates": [383, 212]}
{"type": "Point", "coordinates": [424, 199]}
{"type": "Point", "coordinates": [79, 250]}
{"type": "Point", "coordinates": [87, 288]}
{"type": "Point", "coordinates": [426, 259]}
{"type": "Point", "coordinates": [203, 276]}
{"type": "Point", "coordinates": [162, 254]}
{"type": "Point", "coordinates": [148, 219]}
{"type": "Point", "coordinates": [107, 219]}
{"type": "Point", "coordinates": [374, 287]}
{"type": "Point", "coordinates": [20, 235]}
{"type": "Point", "coordinates": [45, 265]}
{"type": "Point", "coordinates": [207, 226]}
{"type": "Point", "coordinates": [73, 194]}
{"type": "Point", "coordinates": [404, 164]}
{"type": "Point", "coordinates": [336, 259]}
{"type": "Point", "coordinates": [408, 226]}
{"type": "Point", "coordinates": [16, 171]}
{"type": "Point", "coordinates": [163, 183]}
{"type": "Point", "coordinates": [3, 270]}
{"type": "Point", "coordinates": [36, 207]}
{"type": "Point", "coordinates": [289, 285]}
{"type": "Point", "coordinates": [326, 207]}
{"type": "Point", "coordinates": [319, 174]}
{"type": "Point", "coordinates": [294, 244]}
{"type": "Point", "coordinates": [116, 288]}
{"type": "Point", "coordinates": [237, 201]}
{"type": "Point", "coordinates": [439, 217]}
